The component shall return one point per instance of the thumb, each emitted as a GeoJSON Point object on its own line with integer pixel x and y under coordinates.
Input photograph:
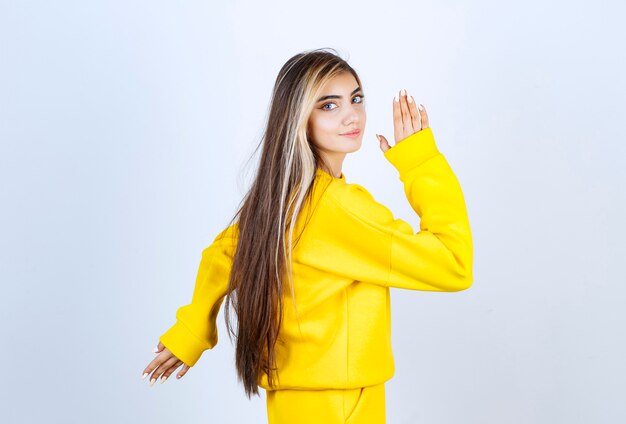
{"type": "Point", "coordinates": [159, 347]}
{"type": "Point", "coordinates": [384, 144]}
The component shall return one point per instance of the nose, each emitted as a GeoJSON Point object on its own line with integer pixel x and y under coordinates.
{"type": "Point", "coordinates": [352, 116]}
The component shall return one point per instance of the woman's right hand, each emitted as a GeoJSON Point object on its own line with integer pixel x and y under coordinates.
{"type": "Point", "coordinates": [407, 120]}
{"type": "Point", "coordinates": [164, 365]}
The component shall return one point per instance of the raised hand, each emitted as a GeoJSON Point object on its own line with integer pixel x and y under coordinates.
{"type": "Point", "coordinates": [407, 119]}
{"type": "Point", "coordinates": [164, 365]}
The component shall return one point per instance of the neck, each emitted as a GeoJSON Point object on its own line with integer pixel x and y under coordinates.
{"type": "Point", "coordinates": [334, 161]}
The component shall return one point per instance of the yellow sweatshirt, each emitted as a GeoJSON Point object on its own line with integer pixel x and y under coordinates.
{"type": "Point", "coordinates": [351, 252]}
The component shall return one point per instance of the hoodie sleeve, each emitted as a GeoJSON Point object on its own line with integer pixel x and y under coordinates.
{"type": "Point", "coordinates": [195, 328]}
{"type": "Point", "coordinates": [365, 242]}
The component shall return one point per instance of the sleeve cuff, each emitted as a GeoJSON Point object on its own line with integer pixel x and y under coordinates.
{"type": "Point", "coordinates": [184, 344]}
{"type": "Point", "coordinates": [413, 150]}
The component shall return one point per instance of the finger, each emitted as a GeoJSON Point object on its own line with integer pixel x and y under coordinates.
{"type": "Point", "coordinates": [397, 119]}
{"type": "Point", "coordinates": [407, 126]}
{"type": "Point", "coordinates": [152, 366]}
{"type": "Point", "coordinates": [159, 348]}
{"type": "Point", "coordinates": [424, 116]}
{"type": "Point", "coordinates": [156, 362]}
{"type": "Point", "coordinates": [183, 371]}
{"type": "Point", "coordinates": [170, 370]}
{"type": "Point", "coordinates": [415, 116]}
{"type": "Point", "coordinates": [158, 372]}
{"type": "Point", "coordinates": [383, 143]}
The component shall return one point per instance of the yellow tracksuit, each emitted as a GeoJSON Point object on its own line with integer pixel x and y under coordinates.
{"type": "Point", "coordinates": [338, 352]}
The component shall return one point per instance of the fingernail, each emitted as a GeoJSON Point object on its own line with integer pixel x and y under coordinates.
{"type": "Point", "coordinates": [163, 379]}
{"type": "Point", "coordinates": [156, 349]}
{"type": "Point", "coordinates": [152, 381]}
{"type": "Point", "coordinates": [144, 375]}
{"type": "Point", "coordinates": [403, 92]}
{"type": "Point", "coordinates": [178, 376]}
{"type": "Point", "coordinates": [395, 98]}
{"type": "Point", "coordinates": [410, 99]}
{"type": "Point", "coordinates": [421, 107]}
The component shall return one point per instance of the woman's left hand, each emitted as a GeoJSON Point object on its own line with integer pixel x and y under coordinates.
{"type": "Point", "coordinates": [164, 365]}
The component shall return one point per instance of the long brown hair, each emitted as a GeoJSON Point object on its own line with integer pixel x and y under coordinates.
{"type": "Point", "coordinates": [280, 190]}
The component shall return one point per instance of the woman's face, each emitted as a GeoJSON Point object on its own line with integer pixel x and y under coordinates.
{"type": "Point", "coordinates": [340, 110]}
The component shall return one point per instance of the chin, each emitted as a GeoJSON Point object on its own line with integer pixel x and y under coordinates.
{"type": "Point", "coordinates": [347, 145]}
{"type": "Point", "coordinates": [352, 146]}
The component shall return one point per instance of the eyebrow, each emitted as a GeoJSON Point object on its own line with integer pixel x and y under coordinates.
{"type": "Point", "coordinates": [334, 96]}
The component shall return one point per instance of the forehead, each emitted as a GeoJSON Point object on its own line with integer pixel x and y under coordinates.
{"type": "Point", "coordinates": [344, 82]}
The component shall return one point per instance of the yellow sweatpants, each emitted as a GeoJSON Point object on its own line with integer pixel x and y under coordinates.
{"type": "Point", "coordinates": [365, 405]}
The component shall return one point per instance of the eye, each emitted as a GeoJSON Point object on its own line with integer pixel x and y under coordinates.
{"type": "Point", "coordinates": [333, 103]}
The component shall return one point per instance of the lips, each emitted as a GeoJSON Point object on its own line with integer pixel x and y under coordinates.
{"type": "Point", "coordinates": [355, 132]}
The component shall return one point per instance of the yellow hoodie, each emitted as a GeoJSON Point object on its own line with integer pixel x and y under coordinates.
{"type": "Point", "coordinates": [351, 252]}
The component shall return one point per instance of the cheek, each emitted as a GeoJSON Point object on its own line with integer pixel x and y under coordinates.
{"type": "Point", "coordinates": [321, 126]}
{"type": "Point", "coordinates": [327, 124]}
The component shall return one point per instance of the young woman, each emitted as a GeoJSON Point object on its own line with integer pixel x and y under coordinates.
{"type": "Point", "coordinates": [309, 262]}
